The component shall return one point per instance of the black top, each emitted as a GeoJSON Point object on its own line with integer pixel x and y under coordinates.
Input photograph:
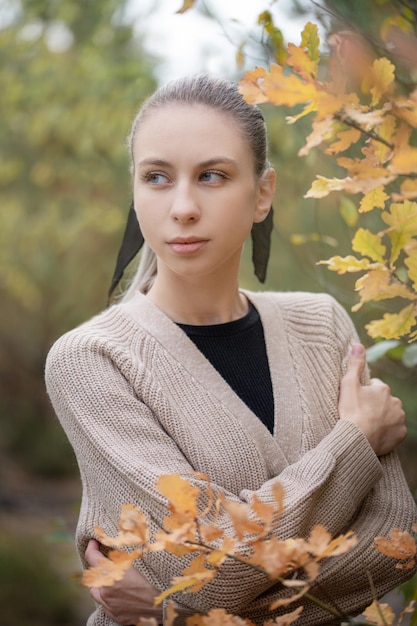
{"type": "Point", "coordinates": [237, 350]}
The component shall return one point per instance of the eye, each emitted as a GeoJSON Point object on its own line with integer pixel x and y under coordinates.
{"type": "Point", "coordinates": [155, 178]}
{"type": "Point", "coordinates": [212, 176]}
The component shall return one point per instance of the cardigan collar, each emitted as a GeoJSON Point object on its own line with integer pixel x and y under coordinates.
{"type": "Point", "coordinates": [288, 415]}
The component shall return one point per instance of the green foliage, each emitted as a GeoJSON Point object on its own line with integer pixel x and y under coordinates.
{"type": "Point", "coordinates": [64, 181]}
{"type": "Point", "coordinates": [31, 591]}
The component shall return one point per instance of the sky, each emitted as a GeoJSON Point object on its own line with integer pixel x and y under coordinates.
{"type": "Point", "coordinates": [190, 42]}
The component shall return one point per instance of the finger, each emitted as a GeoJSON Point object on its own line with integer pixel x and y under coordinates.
{"type": "Point", "coordinates": [93, 554]}
{"type": "Point", "coordinates": [95, 594]}
{"type": "Point", "coordinates": [356, 362]}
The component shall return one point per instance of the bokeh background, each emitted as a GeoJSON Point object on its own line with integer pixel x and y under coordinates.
{"type": "Point", "coordinates": [72, 76]}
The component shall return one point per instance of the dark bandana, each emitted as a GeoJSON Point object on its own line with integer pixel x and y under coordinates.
{"type": "Point", "coordinates": [133, 241]}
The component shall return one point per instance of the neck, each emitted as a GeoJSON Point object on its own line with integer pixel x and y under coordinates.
{"type": "Point", "coordinates": [198, 303]}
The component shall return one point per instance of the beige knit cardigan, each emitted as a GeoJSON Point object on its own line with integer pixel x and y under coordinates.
{"type": "Point", "coordinates": [137, 400]}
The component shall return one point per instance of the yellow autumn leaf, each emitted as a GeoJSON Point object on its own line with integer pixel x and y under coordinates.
{"type": "Point", "coordinates": [402, 220]}
{"type": "Point", "coordinates": [380, 614]}
{"type": "Point", "coordinates": [182, 496]}
{"type": "Point", "coordinates": [186, 6]}
{"type": "Point", "coordinates": [349, 263]}
{"type": "Point", "coordinates": [369, 244]}
{"type": "Point", "coordinates": [301, 62]}
{"type": "Point", "coordinates": [393, 325]}
{"type": "Point", "coordinates": [379, 284]}
{"type": "Point", "coordinates": [345, 138]}
{"type": "Point", "coordinates": [178, 584]}
{"type": "Point", "coordinates": [374, 199]}
{"type": "Point", "coordinates": [322, 186]}
{"type": "Point", "coordinates": [411, 263]}
{"type": "Point", "coordinates": [310, 40]}
{"type": "Point", "coordinates": [381, 78]}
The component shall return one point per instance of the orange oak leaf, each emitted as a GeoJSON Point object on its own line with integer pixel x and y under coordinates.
{"type": "Point", "coordinates": [288, 90]}
{"type": "Point", "coordinates": [278, 557]}
{"type": "Point", "coordinates": [321, 545]}
{"type": "Point", "coordinates": [399, 545]}
{"type": "Point", "coordinates": [301, 62]}
{"type": "Point", "coordinates": [182, 496]}
{"type": "Point", "coordinates": [133, 529]}
{"type": "Point", "coordinates": [239, 515]}
{"type": "Point", "coordinates": [380, 614]}
{"type": "Point", "coordinates": [345, 138]}
{"type": "Point", "coordinates": [109, 569]}
{"type": "Point", "coordinates": [264, 511]}
{"type": "Point", "coordinates": [251, 86]}
{"type": "Point", "coordinates": [193, 578]}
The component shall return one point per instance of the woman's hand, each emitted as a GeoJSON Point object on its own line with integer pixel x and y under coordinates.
{"type": "Point", "coordinates": [372, 407]}
{"type": "Point", "coordinates": [128, 599]}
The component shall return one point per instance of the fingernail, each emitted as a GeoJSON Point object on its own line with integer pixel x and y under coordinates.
{"type": "Point", "coordinates": [358, 349]}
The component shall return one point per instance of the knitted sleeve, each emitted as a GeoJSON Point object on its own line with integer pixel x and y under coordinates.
{"type": "Point", "coordinates": [122, 450]}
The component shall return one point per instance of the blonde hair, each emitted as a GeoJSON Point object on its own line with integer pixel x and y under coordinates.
{"type": "Point", "coordinates": [215, 93]}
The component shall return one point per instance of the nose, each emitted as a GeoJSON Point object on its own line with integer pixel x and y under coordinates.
{"type": "Point", "coordinates": [185, 206]}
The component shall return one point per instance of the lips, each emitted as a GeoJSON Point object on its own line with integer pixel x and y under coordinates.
{"type": "Point", "coordinates": [186, 245]}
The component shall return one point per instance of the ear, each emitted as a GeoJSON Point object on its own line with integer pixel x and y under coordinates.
{"type": "Point", "coordinates": [265, 197]}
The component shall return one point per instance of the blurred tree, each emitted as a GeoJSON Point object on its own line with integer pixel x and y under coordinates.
{"type": "Point", "coordinates": [72, 78]}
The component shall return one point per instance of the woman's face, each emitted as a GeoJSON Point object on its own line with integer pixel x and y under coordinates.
{"type": "Point", "coordinates": [195, 189]}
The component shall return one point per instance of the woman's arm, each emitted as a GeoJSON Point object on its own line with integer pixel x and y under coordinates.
{"type": "Point", "coordinates": [337, 474]}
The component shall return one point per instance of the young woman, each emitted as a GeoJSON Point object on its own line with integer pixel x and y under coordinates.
{"type": "Point", "coordinates": [188, 372]}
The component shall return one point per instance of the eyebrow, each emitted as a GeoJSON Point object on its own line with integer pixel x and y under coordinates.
{"type": "Point", "coordinates": [208, 163]}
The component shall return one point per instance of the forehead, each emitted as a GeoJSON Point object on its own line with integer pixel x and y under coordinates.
{"type": "Point", "coordinates": [186, 125]}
